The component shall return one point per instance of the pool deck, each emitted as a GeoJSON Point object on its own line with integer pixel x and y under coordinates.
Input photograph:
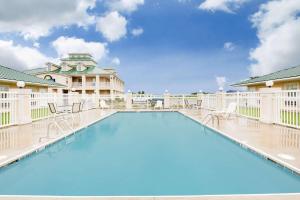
{"type": "Point", "coordinates": [18, 141]}
{"type": "Point", "coordinates": [278, 143]}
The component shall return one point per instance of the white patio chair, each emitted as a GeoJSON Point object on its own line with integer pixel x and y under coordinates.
{"type": "Point", "coordinates": [187, 104]}
{"type": "Point", "coordinates": [158, 105]}
{"type": "Point", "coordinates": [103, 104]}
{"type": "Point", "coordinates": [198, 104]}
{"type": "Point", "coordinates": [224, 114]}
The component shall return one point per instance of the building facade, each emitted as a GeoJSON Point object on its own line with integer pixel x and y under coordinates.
{"type": "Point", "coordinates": [286, 79]}
{"type": "Point", "coordinates": [79, 73]}
{"type": "Point", "coordinates": [10, 77]}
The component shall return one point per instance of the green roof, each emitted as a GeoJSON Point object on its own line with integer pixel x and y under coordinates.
{"type": "Point", "coordinates": [35, 71]}
{"type": "Point", "coordinates": [292, 72]}
{"type": "Point", "coordinates": [73, 71]}
{"type": "Point", "coordinates": [10, 74]}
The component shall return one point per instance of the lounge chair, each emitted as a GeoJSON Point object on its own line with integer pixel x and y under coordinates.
{"type": "Point", "coordinates": [158, 105]}
{"type": "Point", "coordinates": [76, 108]}
{"type": "Point", "coordinates": [224, 114]}
{"type": "Point", "coordinates": [198, 104]}
{"type": "Point", "coordinates": [187, 104]}
{"type": "Point", "coordinates": [103, 104]}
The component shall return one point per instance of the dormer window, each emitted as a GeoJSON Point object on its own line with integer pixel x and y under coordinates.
{"type": "Point", "coordinates": [64, 67]}
{"type": "Point", "coordinates": [49, 65]}
{"type": "Point", "coordinates": [80, 67]}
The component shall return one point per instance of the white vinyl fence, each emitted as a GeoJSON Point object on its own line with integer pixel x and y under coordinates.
{"type": "Point", "coordinates": [287, 108]}
{"type": "Point", "coordinates": [8, 103]}
{"type": "Point", "coordinates": [285, 104]}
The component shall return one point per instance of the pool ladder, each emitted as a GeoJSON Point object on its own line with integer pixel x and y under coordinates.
{"type": "Point", "coordinates": [207, 118]}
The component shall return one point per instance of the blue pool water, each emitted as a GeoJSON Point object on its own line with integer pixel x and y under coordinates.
{"type": "Point", "coordinates": [161, 153]}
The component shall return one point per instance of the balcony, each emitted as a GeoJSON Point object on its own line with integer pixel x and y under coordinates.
{"type": "Point", "coordinates": [104, 85]}
{"type": "Point", "coordinates": [77, 84]}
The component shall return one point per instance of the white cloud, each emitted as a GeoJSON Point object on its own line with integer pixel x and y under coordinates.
{"type": "Point", "coordinates": [34, 18]}
{"type": "Point", "coordinates": [228, 6]}
{"type": "Point", "coordinates": [229, 46]}
{"type": "Point", "coordinates": [137, 31]}
{"type": "Point", "coordinates": [112, 26]}
{"type": "Point", "coordinates": [278, 29]}
{"type": "Point", "coordinates": [127, 6]}
{"type": "Point", "coordinates": [116, 61]}
{"type": "Point", "coordinates": [36, 44]}
{"type": "Point", "coordinates": [65, 45]}
{"type": "Point", "coordinates": [221, 81]}
{"type": "Point", "coordinates": [21, 57]}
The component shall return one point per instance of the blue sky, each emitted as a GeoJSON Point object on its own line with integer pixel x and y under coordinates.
{"type": "Point", "coordinates": [180, 47]}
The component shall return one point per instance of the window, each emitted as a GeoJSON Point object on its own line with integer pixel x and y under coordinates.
{"type": "Point", "coordinates": [3, 88]}
{"type": "Point", "coordinates": [80, 67]}
{"type": "Point", "coordinates": [291, 86]}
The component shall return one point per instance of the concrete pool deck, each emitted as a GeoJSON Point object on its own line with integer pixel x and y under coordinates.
{"type": "Point", "coordinates": [278, 142]}
{"type": "Point", "coordinates": [19, 141]}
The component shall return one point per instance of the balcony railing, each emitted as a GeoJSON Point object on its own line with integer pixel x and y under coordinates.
{"type": "Point", "coordinates": [77, 84]}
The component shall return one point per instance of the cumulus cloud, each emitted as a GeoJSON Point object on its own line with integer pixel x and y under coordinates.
{"type": "Point", "coordinates": [278, 29]}
{"type": "Point", "coordinates": [112, 26]}
{"type": "Point", "coordinates": [35, 18]}
{"type": "Point", "coordinates": [137, 31]}
{"type": "Point", "coordinates": [116, 61]}
{"type": "Point", "coordinates": [127, 6]}
{"type": "Point", "coordinates": [228, 6]}
{"type": "Point", "coordinates": [65, 45]}
{"type": "Point", "coordinates": [221, 81]}
{"type": "Point", "coordinates": [229, 46]}
{"type": "Point", "coordinates": [21, 57]}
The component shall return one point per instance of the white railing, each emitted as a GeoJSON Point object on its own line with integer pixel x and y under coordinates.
{"type": "Point", "coordinates": [285, 111]}
{"type": "Point", "coordinates": [287, 108]}
{"type": "Point", "coordinates": [248, 104]}
{"type": "Point", "coordinates": [8, 108]}
{"type": "Point", "coordinates": [77, 84]}
{"type": "Point", "coordinates": [209, 101]}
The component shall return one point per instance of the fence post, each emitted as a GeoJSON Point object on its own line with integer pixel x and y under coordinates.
{"type": "Point", "coordinates": [267, 111]}
{"type": "Point", "coordinates": [129, 100]}
{"type": "Point", "coordinates": [238, 102]}
{"type": "Point", "coordinates": [23, 107]}
{"type": "Point", "coordinates": [220, 100]}
{"type": "Point", "coordinates": [166, 100]}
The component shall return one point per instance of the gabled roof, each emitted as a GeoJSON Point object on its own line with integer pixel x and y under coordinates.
{"type": "Point", "coordinates": [293, 72]}
{"type": "Point", "coordinates": [10, 74]}
{"type": "Point", "coordinates": [73, 71]}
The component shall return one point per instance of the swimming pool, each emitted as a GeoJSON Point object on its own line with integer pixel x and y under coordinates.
{"type": "Point", "coordinates": [146, 153]}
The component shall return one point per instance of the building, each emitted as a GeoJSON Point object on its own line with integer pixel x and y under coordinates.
{"type": "Point", "coordinates": [9, 78]}
{"type": "Point", "coordinates": [80, 73]}
{"type": "Point", "coordinates": [286, 79]}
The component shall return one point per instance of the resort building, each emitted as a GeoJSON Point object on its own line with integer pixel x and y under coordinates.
{"type": "Point", "coordinates": [79, 73]}
{"type": "Point", "coordinates": [10, 77]}
{"type": "Point", "coordinates": [286, 79]}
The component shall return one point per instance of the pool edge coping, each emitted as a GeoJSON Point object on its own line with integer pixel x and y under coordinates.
{"type": "Point", "coordinates": [256, 150]}
{"type": "Point", "coordinates": [42, 146]}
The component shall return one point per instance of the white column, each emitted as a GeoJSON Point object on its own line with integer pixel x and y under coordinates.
{"type": "Point", "coordinates": [97, 84]}
{"type": "Point", "coordinates": [112, 85]}
{"type": "Point", "coordinates": [83, 84]}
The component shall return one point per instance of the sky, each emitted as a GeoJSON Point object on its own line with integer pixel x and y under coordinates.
{"type": "Point", "coordinates": [155, 45]}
